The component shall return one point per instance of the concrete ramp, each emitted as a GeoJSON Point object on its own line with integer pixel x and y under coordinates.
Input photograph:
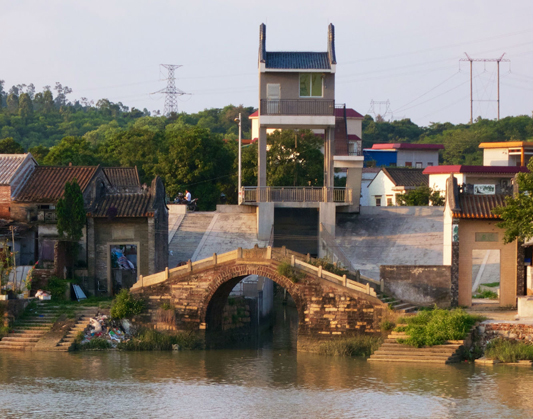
{"type": "Point", "coordinates": [188, 236]}
{"type": "Point", "coordinates": [391, 236]}
{"type": "Point", "coordinates": [226, 232]}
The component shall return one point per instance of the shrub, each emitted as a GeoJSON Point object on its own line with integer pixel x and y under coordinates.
{"type": "Point", "coordinates": [4, 331]}
{"type": "Point", "coordinates": [152, 340]}
{"type": "Point", "coordinates": [509, 350]}
{"type": "Point", "coordinates": [96, 343]}
{"type": "Point", "coordinates": [491, 295]}
{"type": "Point", "coordinates": [57, 287]}
{"type": "Point", "coordinates": [437, 326]}
{"type": "Point", "coordinates": [362, 345]}
{"type": "Point", "coordinates": [126, 305]}
{"type": "Point", "coordinates": [329, 266]}
{"type": "Point", "coordinates": [285, 269]}
{"type": "Point", "coordinates": [386, 325]}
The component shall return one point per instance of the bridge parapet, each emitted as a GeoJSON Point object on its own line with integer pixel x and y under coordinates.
{"type": "Point", "coordinates": [297, 260]}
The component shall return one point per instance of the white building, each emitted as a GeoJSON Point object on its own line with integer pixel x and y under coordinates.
{"type": "Point", "coordinates": [393, 181]}
{"type": "Point", "coordinates": [509, 153]}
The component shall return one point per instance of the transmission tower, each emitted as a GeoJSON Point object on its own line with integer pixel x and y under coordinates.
{"type": "Point", "coordinates": [171, 91]}
{"type": "Point", "coordinates": [379, 104]}
{"type": "Point", "coordinates": [484, 60]}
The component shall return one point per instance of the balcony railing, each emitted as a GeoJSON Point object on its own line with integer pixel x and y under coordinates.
{"type": "Point", "coordinates": [316, 107]}
{"type": "Point", "coordinates": [252, 194]}
{"type": "Point", "coordinates": [47, 216]}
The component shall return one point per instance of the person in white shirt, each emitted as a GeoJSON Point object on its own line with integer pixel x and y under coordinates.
{"type": "Point", "coordinates": [187, 196]}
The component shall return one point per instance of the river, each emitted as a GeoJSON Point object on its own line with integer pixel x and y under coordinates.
{"type": "Point", "coordinates": [270, 380]}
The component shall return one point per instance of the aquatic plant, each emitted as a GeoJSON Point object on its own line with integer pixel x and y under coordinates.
{"type": "Point", "coordinates": [505, 350]}
{"type": "Point", "coordinates": [362, 345]}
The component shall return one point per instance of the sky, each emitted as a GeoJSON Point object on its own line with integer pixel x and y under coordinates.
{"type": "Point", "coordinates": [404, 52]}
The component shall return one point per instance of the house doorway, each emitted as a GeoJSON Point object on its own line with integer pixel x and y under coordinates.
{"type": "Point", "coordinates": [123, 266]}
{"type": "Point", "coordinates": [486, 276]}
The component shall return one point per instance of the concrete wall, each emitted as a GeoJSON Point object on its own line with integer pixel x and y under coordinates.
{"type": "Point", "coordinates": [438, 181]}
{"type": "Point", "coordinates": [290, 85]}
{"type": "Point", "coordinates": [419, 285]}
{"type": "Point", "coordinates": [354, 127]}
{"type": "Point", "coordinates": [495, 157]}
{"type": "Point", "coordinates": [508, 260]}
{"type": "Point", "coordinates": [418, 156]}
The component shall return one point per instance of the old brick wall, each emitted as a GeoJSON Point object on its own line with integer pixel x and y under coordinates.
{"type": "Point", "coordinates": [419, 285]}
{"type": "Point", "coordinates": [5, 201]}
{"type": "Point", "coordinates": [491, 329]}
{"type": "Point", "coordinates": [325, 309]}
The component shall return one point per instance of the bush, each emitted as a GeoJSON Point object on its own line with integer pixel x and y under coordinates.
{"type": "Point", "coordinates": [4, 331]}
{"type": "Point", "coordinates": [509, 350]}
{"type": "Point", "coordinates": [437, 326]}
{"type": "Point", "coordinates": [329, 266]}
{"type": "Point", "coordinates": [126, 305]}
{"type": "Point", "coordinates": [285, 269]}
{"type": "Point", "coordinates": [362, 345]}
{"type": "Point", "coordinates": [491, 295]}
{"type": "Point", "coordinates": [386, 325]}
{"type": "Point", "coordinates": [95, 344]}
{"type": "Point", "coordinates": [57, 287]}
{"type": "Point", "coordinates": [152, 340]}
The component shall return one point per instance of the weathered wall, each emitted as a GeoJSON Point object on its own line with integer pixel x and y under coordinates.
{"type": "Point", "coordinates": [325, 309]}
{"type": "Point", "coordinates": [419, 285]}
{"type": "Point", "coordinates": [10, 310]}
{"type": "Point", "coordinates": [290, 85]}
{"type": "Point", "coordinates": [492, 329]}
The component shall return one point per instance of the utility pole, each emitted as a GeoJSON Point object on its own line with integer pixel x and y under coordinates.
{"type": "Point", "coordinates": [484, 60]}
{"type": "Point", "coordinates": [171, 91]}
{"type": "Point", "coordinates": [239, 121]}
{"type": "Point", "coordinates": [379, 104]}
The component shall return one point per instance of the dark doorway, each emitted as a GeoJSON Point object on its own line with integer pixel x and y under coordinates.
{"type": "Point", "coordinates": [297, 229]}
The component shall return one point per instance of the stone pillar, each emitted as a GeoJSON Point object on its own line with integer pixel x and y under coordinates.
{"type": "Point", "coordinates": [353, 182]}
{"type": "Point", "coordinates": [91, 251]}
{"type": "Point", "coordinates": [265, 220]}
{"type": "Point", "coordinates": [327, 219]}
{"type": "Point", "coordinates": [262, 158]}
{"type": "Point", "coordinates": [329, 172]}
{"type": "Point", "coordinates": [151, 248]}
{"type": "Point", "coordinates": [455, 264]}
{"type": "Point", "coordinates": [520, 270]}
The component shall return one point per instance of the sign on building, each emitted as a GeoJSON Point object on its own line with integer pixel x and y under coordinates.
{"type": "Point", "coordinates": [484, 189]}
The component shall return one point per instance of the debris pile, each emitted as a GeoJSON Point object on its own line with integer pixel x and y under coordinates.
{"type": "Point", "coordinates": [103, 327]}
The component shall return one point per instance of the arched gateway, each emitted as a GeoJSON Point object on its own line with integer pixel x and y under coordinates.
{"type": "Point", "coordinates": [328, 305]}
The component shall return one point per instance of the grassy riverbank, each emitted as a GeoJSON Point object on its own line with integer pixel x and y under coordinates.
{"type": "Point", "coordinates": [362, 345]}
{"type": "Point", "coordinates": [435, 327]}
{"type": "Point", "coordinates": [505, 350]}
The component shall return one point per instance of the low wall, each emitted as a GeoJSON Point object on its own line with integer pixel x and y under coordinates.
{"type": "Point", "coordinates": [416, 284]}
{"type": "Point", "coordinates": [10, 310]}
{"type": "Point", "coordinates": [399, 211]}
{"type": "Point", "coordinates": [236, 209]}
{"type": "Point", "coordinates": [514, 330]}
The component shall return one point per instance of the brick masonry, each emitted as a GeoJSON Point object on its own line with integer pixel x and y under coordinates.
{"type": "Point", "coordinates": [508, 330]}
{"type": "Point", "coordinates": [325, 310]}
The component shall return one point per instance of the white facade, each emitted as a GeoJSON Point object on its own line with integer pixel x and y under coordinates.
{"type": "Point", "coordinates": [497, 157]}
{"type": "Point", "coordinates": [382, 191]}
{"type": "Point", "coordinates": [438, 181]}
{"type": "Point", "coordinates": [366, 178]}
{"type": "Point", "coordinates": [417, 158]}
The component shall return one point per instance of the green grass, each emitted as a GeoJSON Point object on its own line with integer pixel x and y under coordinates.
{"type": "Point", "coordinates": [435, 327]}
{"type": "Point", "coordinates": [96, 343]}
{"type": "Point", "coordinates": [491, 284]}
{"type": "Point", "coordinates": [285, 269]}
{"type": "Point", "coordinates": [152, 340]}
{"type": "Point", "coordinates": [4, 331]}
{"type": "Point", "coordinates": [362, 345]}
{"type": "Point", "coordinates": [490, 295]}
{"type": "Point", "coordinates": [509, 350]}
{"type": "Point", "coordinates": [386, 325]}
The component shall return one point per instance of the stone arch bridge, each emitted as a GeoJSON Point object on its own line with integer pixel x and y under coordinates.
{"type": "Point", "coordinates": [328, 305]}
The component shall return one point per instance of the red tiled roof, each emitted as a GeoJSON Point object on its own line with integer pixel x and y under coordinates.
{"type": "Point", "coordinates": [123, 177]}
{"type": "Point", "coordinates": [353, 137]}
{"type": "Point", "coordinates": [478, 206]}
{"type": "Point", "coordinates": [350, 113]}
{"type": "Point", "coordinates": [457, 168]}
{"type": "Point", "coordinates": [254, 115]}
{"type": "Point", "coordinates": [47, 183]}
{"type": "Point", "coordinates": [124, 205]}
{"type": "Point", "coordinates": [407, 146]}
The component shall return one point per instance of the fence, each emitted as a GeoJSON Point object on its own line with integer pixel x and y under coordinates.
{"type": "Point", "coordinates": [252, 194]}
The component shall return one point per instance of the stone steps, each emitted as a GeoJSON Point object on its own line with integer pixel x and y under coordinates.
{"type": "Point", "coordinates": [398, 305]}
{"type": "Point", "coordinates": [82, 323]}
{"type": "Point", "coordinates": [392, 351]}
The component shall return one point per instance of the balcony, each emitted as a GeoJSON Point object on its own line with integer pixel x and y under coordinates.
{"type": "Point", "coordinates": [295, 195]}
{"type": "Point", "coordinates": [47, 216]}
{"type": "Point", "coordinates": [324, 107]}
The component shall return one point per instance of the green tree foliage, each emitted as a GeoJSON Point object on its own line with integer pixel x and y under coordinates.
{"type": "Point", "coordinates": [25, 106]}
{"type": "Point", "coordinates": [39, 152]}
{"type": "Point", "coordinates": [517, 214]}
{"type": "Point", "coordinates": [71, 216]}
{"type": "Point", "coordinates": [125, 305]}
{"type": "Point", "coordinates": [295, 159]}
{"type": "Point", "coordinates": [75, 150]}
{"type": "Point", "coordinates": [197, 160]}
{"type": "Point", "coordinates": [10, 146]}
{"type": "Point", "coordinates": [421, 196]}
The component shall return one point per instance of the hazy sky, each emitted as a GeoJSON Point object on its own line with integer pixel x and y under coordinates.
{"type": "Point", "coordinates": [406, 52]}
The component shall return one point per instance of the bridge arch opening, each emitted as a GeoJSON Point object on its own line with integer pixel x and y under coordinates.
{"type": "Point", "coordinates": [235, 313]}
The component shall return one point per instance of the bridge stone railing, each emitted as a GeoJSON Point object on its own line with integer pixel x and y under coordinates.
{"type": "Point", "coordinates": [297, 260]}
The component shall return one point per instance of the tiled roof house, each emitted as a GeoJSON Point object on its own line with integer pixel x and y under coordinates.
{"type": "Point", "coordinates": [390, 182]}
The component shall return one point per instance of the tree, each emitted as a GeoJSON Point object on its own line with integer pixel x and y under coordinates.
{"type": "Point", "coordinates": [25, 106]}
{"type": "Point", "coordinates": [39, 152]}
{"type": "Point", "coordinates": [517, 214]}
{"type": "Point", "coordinates": [421, 196]}
{"type": "Point", "coordinates": [10, 146]}
{"type": "Point", "coordinates": [295, 159]}
{"type": "Point", "coordinates": [73, 150]}
{"type": "Point", "coordinates": [71, 219]}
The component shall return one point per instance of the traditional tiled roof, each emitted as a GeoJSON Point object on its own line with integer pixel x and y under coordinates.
{"type": "Point", "coordinates": [124, 205]}
{"type": "Point", "coordinates": [298, 60]}
{"type": "Point", "coordinates": [9, 164]}
{"type": "Point", "coordinates": [478, 206]}
{"type": "Point", "coordinates": [47, 183]}
{"type": "Point", "coordinates": [407, 146]}
{"type": "Point", "coordinates": [401, 176]}
{"type": "Point", "coordinates": [123, 178]}
{"type": "Point", "coordinates": [350, 113]}
{"type": "Point", "coordinates": [457, 168]}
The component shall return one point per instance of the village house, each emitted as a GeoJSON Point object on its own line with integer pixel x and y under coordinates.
{"type": "Point", "coordinates": [391, 182]}
{"type": "Point", "coordinates": [418, 156]}
{"type": "Point", "coordinates": [508, 153]}
{"type": "Point", "coordinates": [127, 224]}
